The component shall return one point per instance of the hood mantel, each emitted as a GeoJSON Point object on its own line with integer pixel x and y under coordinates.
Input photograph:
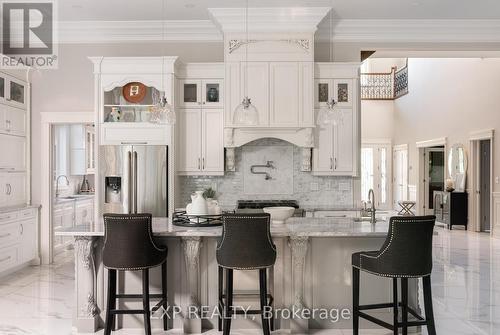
{"type": "Point", "coordinates": [237, 137]}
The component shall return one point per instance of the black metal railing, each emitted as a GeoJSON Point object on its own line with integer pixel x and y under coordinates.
{"type": "Point", "coordinates": [384, 86]}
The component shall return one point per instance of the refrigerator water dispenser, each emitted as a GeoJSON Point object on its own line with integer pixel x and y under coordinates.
{"type": "Point", "coordinates": [113, 190]}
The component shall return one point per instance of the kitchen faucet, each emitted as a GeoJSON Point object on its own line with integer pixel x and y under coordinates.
{"type": "Point", "coordinates": [372, 210]}
{"type": "Point", "coordinates": [57, 183]}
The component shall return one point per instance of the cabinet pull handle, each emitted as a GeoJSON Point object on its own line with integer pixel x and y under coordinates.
{"type": "Point", "coordinates": [22, 228]}
{"type": "Point", "coordinates": [5, 259]}
{"type": "Point", "coordinates": [199, 163]}
{"type": "Point", "coordinates": [331, 163]}
{"type": "Point", "coordinates": [203, 160]}
{"type": "Point", "coordinates": [335, 165]}
{"type": "Point", "coordinates": [4, 235]}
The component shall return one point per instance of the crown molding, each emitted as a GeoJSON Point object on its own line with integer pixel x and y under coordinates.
{"type": "Point", "coordinates": [298, 19]}
{"type": "Point", "coordinates": [413, 31]}
{"type": "Point", "coordinates": [281, 20]}
{"type": "Point", "coordinates": [138, 31]}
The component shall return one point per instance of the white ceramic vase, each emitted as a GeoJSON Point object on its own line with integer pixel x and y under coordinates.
{"type": "Point", "coordinates": [198, 205]}
{"type": "Point", "coordinates": [213, 207]}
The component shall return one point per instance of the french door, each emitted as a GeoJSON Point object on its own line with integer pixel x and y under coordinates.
{"type": "Point", "coordinates": [400, 175]}
{"type": "Point", "coordinates": [376, 173]}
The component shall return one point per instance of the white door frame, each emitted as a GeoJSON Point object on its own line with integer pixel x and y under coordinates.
{"type": "Point", "coordinates": [49, 119]}
{"type": "Point", "coordinates": [421, 146]}
{"type": "Point", "coordinates": [474, 169]}
{"type": "Point", "coordinates": [395, 148]}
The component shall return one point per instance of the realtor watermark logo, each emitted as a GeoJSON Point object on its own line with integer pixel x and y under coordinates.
{"type": "Point", "coordinates": [29, 34]}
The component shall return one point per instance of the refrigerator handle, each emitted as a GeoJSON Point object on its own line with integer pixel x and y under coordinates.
{"type": "Point", "coordinates": [130, 211]}
{"type": "Point", "coordinates": [135, 182]}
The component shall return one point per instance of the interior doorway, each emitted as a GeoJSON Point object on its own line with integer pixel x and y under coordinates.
{"type": "Point", "coordinates": [485, 185]}
{"type": "Point", "coordinates": [434, 175]}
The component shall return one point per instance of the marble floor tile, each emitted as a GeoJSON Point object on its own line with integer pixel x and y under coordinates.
{"type": "Point", "coordinates": [465, 282]}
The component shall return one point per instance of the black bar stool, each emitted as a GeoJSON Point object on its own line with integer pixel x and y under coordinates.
{"type": "Point", "coordinates": [246, 244]}
{"type": "Point", "coordinates": [406, 253]}
{"type": "Point", "coordinates": [129, 246]}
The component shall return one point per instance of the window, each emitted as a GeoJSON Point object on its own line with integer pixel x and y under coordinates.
{"type": "Point", "coordinates": [376, 173]}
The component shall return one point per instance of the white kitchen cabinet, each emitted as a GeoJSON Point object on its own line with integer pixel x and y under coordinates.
{"type": "Point", "coordinates": [84, 212]}
{"type": "Point", "coordinates": [16, 92]}
{"type": "Point", "coordinates": [81, 141]}
{"type": "Point", "coordinates": [63, 215]}
{"type": "Point", "coordinates": [282, 92]}
{"type": "Point", "coordinates": [12, 120]}
{"type": "Point", "coordinates": [334, 150]}
{"type": "Point", "coordinates": [195, 93]}
{"type": "Point", "coordinates": [18, 238]}
{"type": "Point", "coordinates": [201, 147]}
{"type": "Point", "coordinates": [134, 133]}
{"type": "Point", "coordinates": [13, 149]}
{"type": "Point", "coordinates": [341, 90]}
{"type": "Point", "coordinates": [13, 189]}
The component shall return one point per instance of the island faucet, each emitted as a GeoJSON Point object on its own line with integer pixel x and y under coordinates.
{"type": "Point", "coordinates": [57, 183]}
{"type": "Point", "coordinates": [371, 198]}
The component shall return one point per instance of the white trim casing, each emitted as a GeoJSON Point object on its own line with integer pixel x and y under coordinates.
{"type": "Point", "coordinates": [482, 134]}
{"type": "Point", "coordinates": [47, 120]}
{"type": "Point", "coordinates": [431, 143]}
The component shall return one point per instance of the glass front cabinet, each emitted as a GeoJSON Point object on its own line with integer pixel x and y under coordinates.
{"type": "Point", "coordinates": [205, 93]}
{"type": "Point", "coordinates": [338, 89]}
{"type": "Point", "coordinates": [13, 91]}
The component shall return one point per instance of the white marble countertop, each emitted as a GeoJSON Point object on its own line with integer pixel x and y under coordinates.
{"type": "Point", "coordinates": [17, 208]}
{"type": "Point", "coordinates": [313, 227]}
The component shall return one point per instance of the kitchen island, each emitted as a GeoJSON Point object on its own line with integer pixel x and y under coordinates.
{"type": "Point", "coordinates": [312, 271]}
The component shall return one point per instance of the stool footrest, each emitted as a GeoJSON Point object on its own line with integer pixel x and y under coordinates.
{"type": "Point", "coordinates": [375, 306]}
{"type": "Point", "coordinates": [375, 320]}
{"type": "Point", "coordinates": [158, 305]}
{"type": "Point", "coordinates": [127, 311]}
{"type": "Point", "coordinates": [137, 296]}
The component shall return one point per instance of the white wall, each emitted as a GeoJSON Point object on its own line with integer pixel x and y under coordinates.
{"type": "Point", "coordinates": [447, 98]}
{"type": "Point", "coordinates": [377, 119]}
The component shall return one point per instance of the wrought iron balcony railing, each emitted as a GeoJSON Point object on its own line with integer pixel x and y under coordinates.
{"type": "Point", "coordinates": [384, 86]}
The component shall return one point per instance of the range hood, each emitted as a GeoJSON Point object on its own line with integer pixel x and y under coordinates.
{"type": "Point", "coordinates": [280, 45]}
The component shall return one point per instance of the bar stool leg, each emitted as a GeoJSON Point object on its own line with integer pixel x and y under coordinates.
{"type": "Point", "coordinates": [228, 306]}
{"type": "Point", "coordinates": [355, 301]}
{"type": "Point", "coordinates": [110, 318]}
{"type": "Point", "coordinates": [164, 293]}
{"type": "Point", "coordinates": [221, 290]}
{"type": "Point", "coordinates": [145, 301]}
{"type": "Point", "coordinates": [263, 300]}
{"type": "Point", "coordinates": [429, 313]}
{"type": "Point", "coordinates": [404, 304]}
{"type": "Point", "coordinates": [395, 304]}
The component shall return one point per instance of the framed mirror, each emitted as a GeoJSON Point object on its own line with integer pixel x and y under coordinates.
{"type": "Point", "coordinates": [457, 166]}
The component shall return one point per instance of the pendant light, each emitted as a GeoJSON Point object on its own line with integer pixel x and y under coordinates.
{"type": "Point", "coordinates": [246, 113]}
{"type": "Point", "coordinates": [328, 114]}
{"type": "Point", "coordinates": [163, 112]}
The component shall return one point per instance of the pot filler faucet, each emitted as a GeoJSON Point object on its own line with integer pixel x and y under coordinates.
{"type": "Point", "coordinates": [269, 165]}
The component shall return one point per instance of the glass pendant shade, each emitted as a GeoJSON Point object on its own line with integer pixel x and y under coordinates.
{"type": "Point", "coordinates": [329, 114]}
{"type": "Point", "coordinates": [246, 114]}
{"type": "Point", "coordinates": [163, 112]}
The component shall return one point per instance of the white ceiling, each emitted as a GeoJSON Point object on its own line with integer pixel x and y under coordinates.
{"type": "Point", "coordinates": [133, 10]}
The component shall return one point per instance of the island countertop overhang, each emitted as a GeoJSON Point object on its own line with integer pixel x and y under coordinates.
{"type": "Point", "coordinates": [299, 226]}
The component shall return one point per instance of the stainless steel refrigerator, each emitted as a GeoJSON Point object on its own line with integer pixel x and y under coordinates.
{"type": "Point", "coordinates": [134, 179]}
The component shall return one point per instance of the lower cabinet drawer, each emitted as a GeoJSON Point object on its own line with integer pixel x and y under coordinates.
{"type": "Point", "coordinates": [9, 234]}
{"type": "Point", "coordinates": [8, 257]}
{"type": "Point", "coordinates": [27, 213]}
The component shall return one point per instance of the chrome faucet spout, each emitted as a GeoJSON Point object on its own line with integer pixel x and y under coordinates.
{"type": "Point", "coordinates": [57, 183]}
{"type": "Point", "coordinates": [371, 198]}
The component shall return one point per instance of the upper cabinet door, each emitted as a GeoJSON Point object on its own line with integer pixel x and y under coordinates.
{"type": "Point", "coordinates": [257, 88]}
{"type": "Point", "coordinates": [14, 121]}
{"type": "Point", "coordinates": [189, 159]}
{"type": "Point", "coordinates": [17, 93]}
{"type": "Point", "coordinates": [323, 150]}
{"type": "Point", "coordinates": [344, 143]}
{"type": "Point", "coordinates": [3, 87]}
{"type": "Point", "coordinates": [323, 92]}
{"type": "Point", "coordinates": [212, 141]}
{"type": "Point", "coordinates": [190, 93]}
{"type": "Point", "coordinates": [342, 92]}
{"type": "Point", "coordinates": [284, 93]}
{"type": "Point", "coordinates": [212, 93]}
{"type": "Point", "coordinates": [13, 149]}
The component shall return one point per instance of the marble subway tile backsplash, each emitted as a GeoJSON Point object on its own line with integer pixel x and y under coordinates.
{"type": "Point", "coordinates": [310, 191]}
